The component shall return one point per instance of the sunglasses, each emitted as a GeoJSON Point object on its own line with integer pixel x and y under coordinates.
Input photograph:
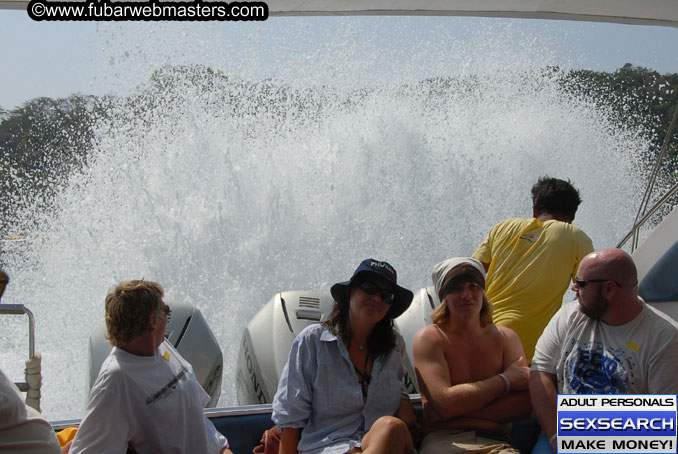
{"type": "Point", "coordinates": [168, 311]}
{"type": "Point", "coordinates": [387, 296]}
{"type": "Point", "coordinates": [581, 283]}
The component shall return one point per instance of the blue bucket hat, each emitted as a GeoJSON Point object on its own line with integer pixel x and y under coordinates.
{"type": "Point", "coordinates": [403, 297]}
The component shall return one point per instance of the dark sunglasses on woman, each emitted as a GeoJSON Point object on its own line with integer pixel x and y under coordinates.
{"type": "Point", "coordinates": [387, 296]}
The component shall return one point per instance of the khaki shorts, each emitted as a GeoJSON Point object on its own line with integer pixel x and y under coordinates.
{"type": "Point", "coordinates": [457, 442]}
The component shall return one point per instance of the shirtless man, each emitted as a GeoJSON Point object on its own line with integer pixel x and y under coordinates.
{"type": "Point", "coordinates": [472, 374]}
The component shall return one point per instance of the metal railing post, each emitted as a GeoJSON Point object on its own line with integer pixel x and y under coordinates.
{"type": "Point", "coordinates": [19, 309]}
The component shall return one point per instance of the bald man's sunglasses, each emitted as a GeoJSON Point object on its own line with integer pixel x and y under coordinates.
{"type": "Point", "coordinates": [581, 283]}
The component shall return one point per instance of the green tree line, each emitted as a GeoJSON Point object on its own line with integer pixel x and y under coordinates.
{"type": "Point", "coordinates": [637, 97]}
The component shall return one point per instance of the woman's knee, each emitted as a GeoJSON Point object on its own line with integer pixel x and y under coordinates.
{"type": "Point", "coordinates": [388, 434]}
{"type": "Point", "coordinates": [392, 424]}
{"type": "Point", "coordinates": [392, 427]}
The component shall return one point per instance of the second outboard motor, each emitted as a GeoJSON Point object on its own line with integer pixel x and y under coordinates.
{"type": "Point", "coordinates": [189, 333]}
{"type": "Point", "coordinates": [268, 337]}
{"type": "Point", "coordinates": [412, 320]}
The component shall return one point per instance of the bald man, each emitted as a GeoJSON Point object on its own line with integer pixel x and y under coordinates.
{"type": "Point", "coordinates": [607, 342]}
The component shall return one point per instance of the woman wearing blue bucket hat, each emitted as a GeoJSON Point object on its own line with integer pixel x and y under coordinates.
{"type": "Point", "coordinates": [340, 391]}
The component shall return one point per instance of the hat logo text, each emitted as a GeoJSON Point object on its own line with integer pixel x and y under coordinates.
{"type": "Point", "coordinates": [382, 265]}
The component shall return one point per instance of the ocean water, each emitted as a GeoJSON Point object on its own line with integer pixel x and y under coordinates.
{"type": "Point", "coordinates": [297, 154]}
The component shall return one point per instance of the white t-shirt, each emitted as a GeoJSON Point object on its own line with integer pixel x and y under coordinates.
{"type": "Point", "coordinates": [153, 403]}
{"type": "Point", "coordinates": [591, 357]}
{"type": "Point", "coordinates": [22, 429]}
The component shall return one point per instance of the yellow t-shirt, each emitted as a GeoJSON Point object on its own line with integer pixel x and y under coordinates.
{"type": "Point", "coordinates": [531, 266]}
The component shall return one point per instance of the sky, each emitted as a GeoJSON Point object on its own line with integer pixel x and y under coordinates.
{"type": "Point", "coordinates": [56, 59]}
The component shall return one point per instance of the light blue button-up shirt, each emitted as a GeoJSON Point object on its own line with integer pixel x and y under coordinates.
{"type": "Point", "coordinates": [319, 392]}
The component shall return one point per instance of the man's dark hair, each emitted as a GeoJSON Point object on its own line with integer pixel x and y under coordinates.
{"type": "Point", "coordinates": [556, 197]}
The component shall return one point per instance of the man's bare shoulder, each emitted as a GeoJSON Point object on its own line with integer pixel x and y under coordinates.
{"type": "Point", "coordinates": [506, 332]}
{"type": "Point", "coordinates": [510, 344]}
{"type": "Point", "coordinates": [429, 336]}
{"type": "Point", "coordinates": [431, 332]}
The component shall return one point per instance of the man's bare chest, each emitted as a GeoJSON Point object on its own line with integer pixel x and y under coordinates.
{"type": "Point", "coordinates": [471, 360]}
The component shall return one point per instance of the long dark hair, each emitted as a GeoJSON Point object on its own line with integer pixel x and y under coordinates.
{"type": "Point", "coordinates": [381, 340]}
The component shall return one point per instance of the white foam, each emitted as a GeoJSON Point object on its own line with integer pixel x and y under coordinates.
{"type": "Point", "coordinates": [229, 191]}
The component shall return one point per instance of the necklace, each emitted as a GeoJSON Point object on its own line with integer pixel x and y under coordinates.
{"type": "Point", "coordinates": [364, 378]}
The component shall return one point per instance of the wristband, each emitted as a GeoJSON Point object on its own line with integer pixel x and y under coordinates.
{"type": "Point", "coordinates": [553, 437]}
{"type": "Point", "coordinates": [508, 383]}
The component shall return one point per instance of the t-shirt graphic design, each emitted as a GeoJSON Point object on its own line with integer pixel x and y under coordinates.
{"type": "Point", "coordinates": [168, 387]}
{"type": "Point", "coordinates": [594, 369]}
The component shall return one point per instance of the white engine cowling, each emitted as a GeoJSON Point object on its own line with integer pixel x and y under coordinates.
{"type": "Point", "coordinates": [189, 333]}
{"type": "Point", "coordinates": [412, 320]}
{"type": "Point", "coordinates": [268, 337]}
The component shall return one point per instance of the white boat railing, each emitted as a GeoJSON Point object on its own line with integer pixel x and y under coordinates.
{"type": "Point", "coordinates": [218, 412]}
{"type": "Point", "coordinates": [20, 309]}
{"type": "Point", "coordinates": [641, 220]}
{"type": "Point", "coordinates": [33, 371]}
{"type": "Point", "coordinates": [634, 233]}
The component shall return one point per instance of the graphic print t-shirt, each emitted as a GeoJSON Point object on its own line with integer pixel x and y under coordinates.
{"type": "Point", "coordinates": [591, 357]}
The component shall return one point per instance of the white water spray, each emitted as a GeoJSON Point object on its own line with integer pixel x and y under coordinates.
{"type": "Point", "coordinates": [229, 189]}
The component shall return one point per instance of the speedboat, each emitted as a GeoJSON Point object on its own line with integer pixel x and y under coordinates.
{"type": "Point", "coordinates": [267, 337]}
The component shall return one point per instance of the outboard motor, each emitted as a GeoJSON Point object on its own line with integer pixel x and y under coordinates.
{"type": "Point", "coordinates": [412, 320]}
{"type": "Point", "coordinates": [190, 334]}
{"type": "Point", "coordinates": [268, 337]}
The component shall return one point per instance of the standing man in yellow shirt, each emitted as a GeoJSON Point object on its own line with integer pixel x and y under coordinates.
{"type": "Point", "coordinates": [530, 262]}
